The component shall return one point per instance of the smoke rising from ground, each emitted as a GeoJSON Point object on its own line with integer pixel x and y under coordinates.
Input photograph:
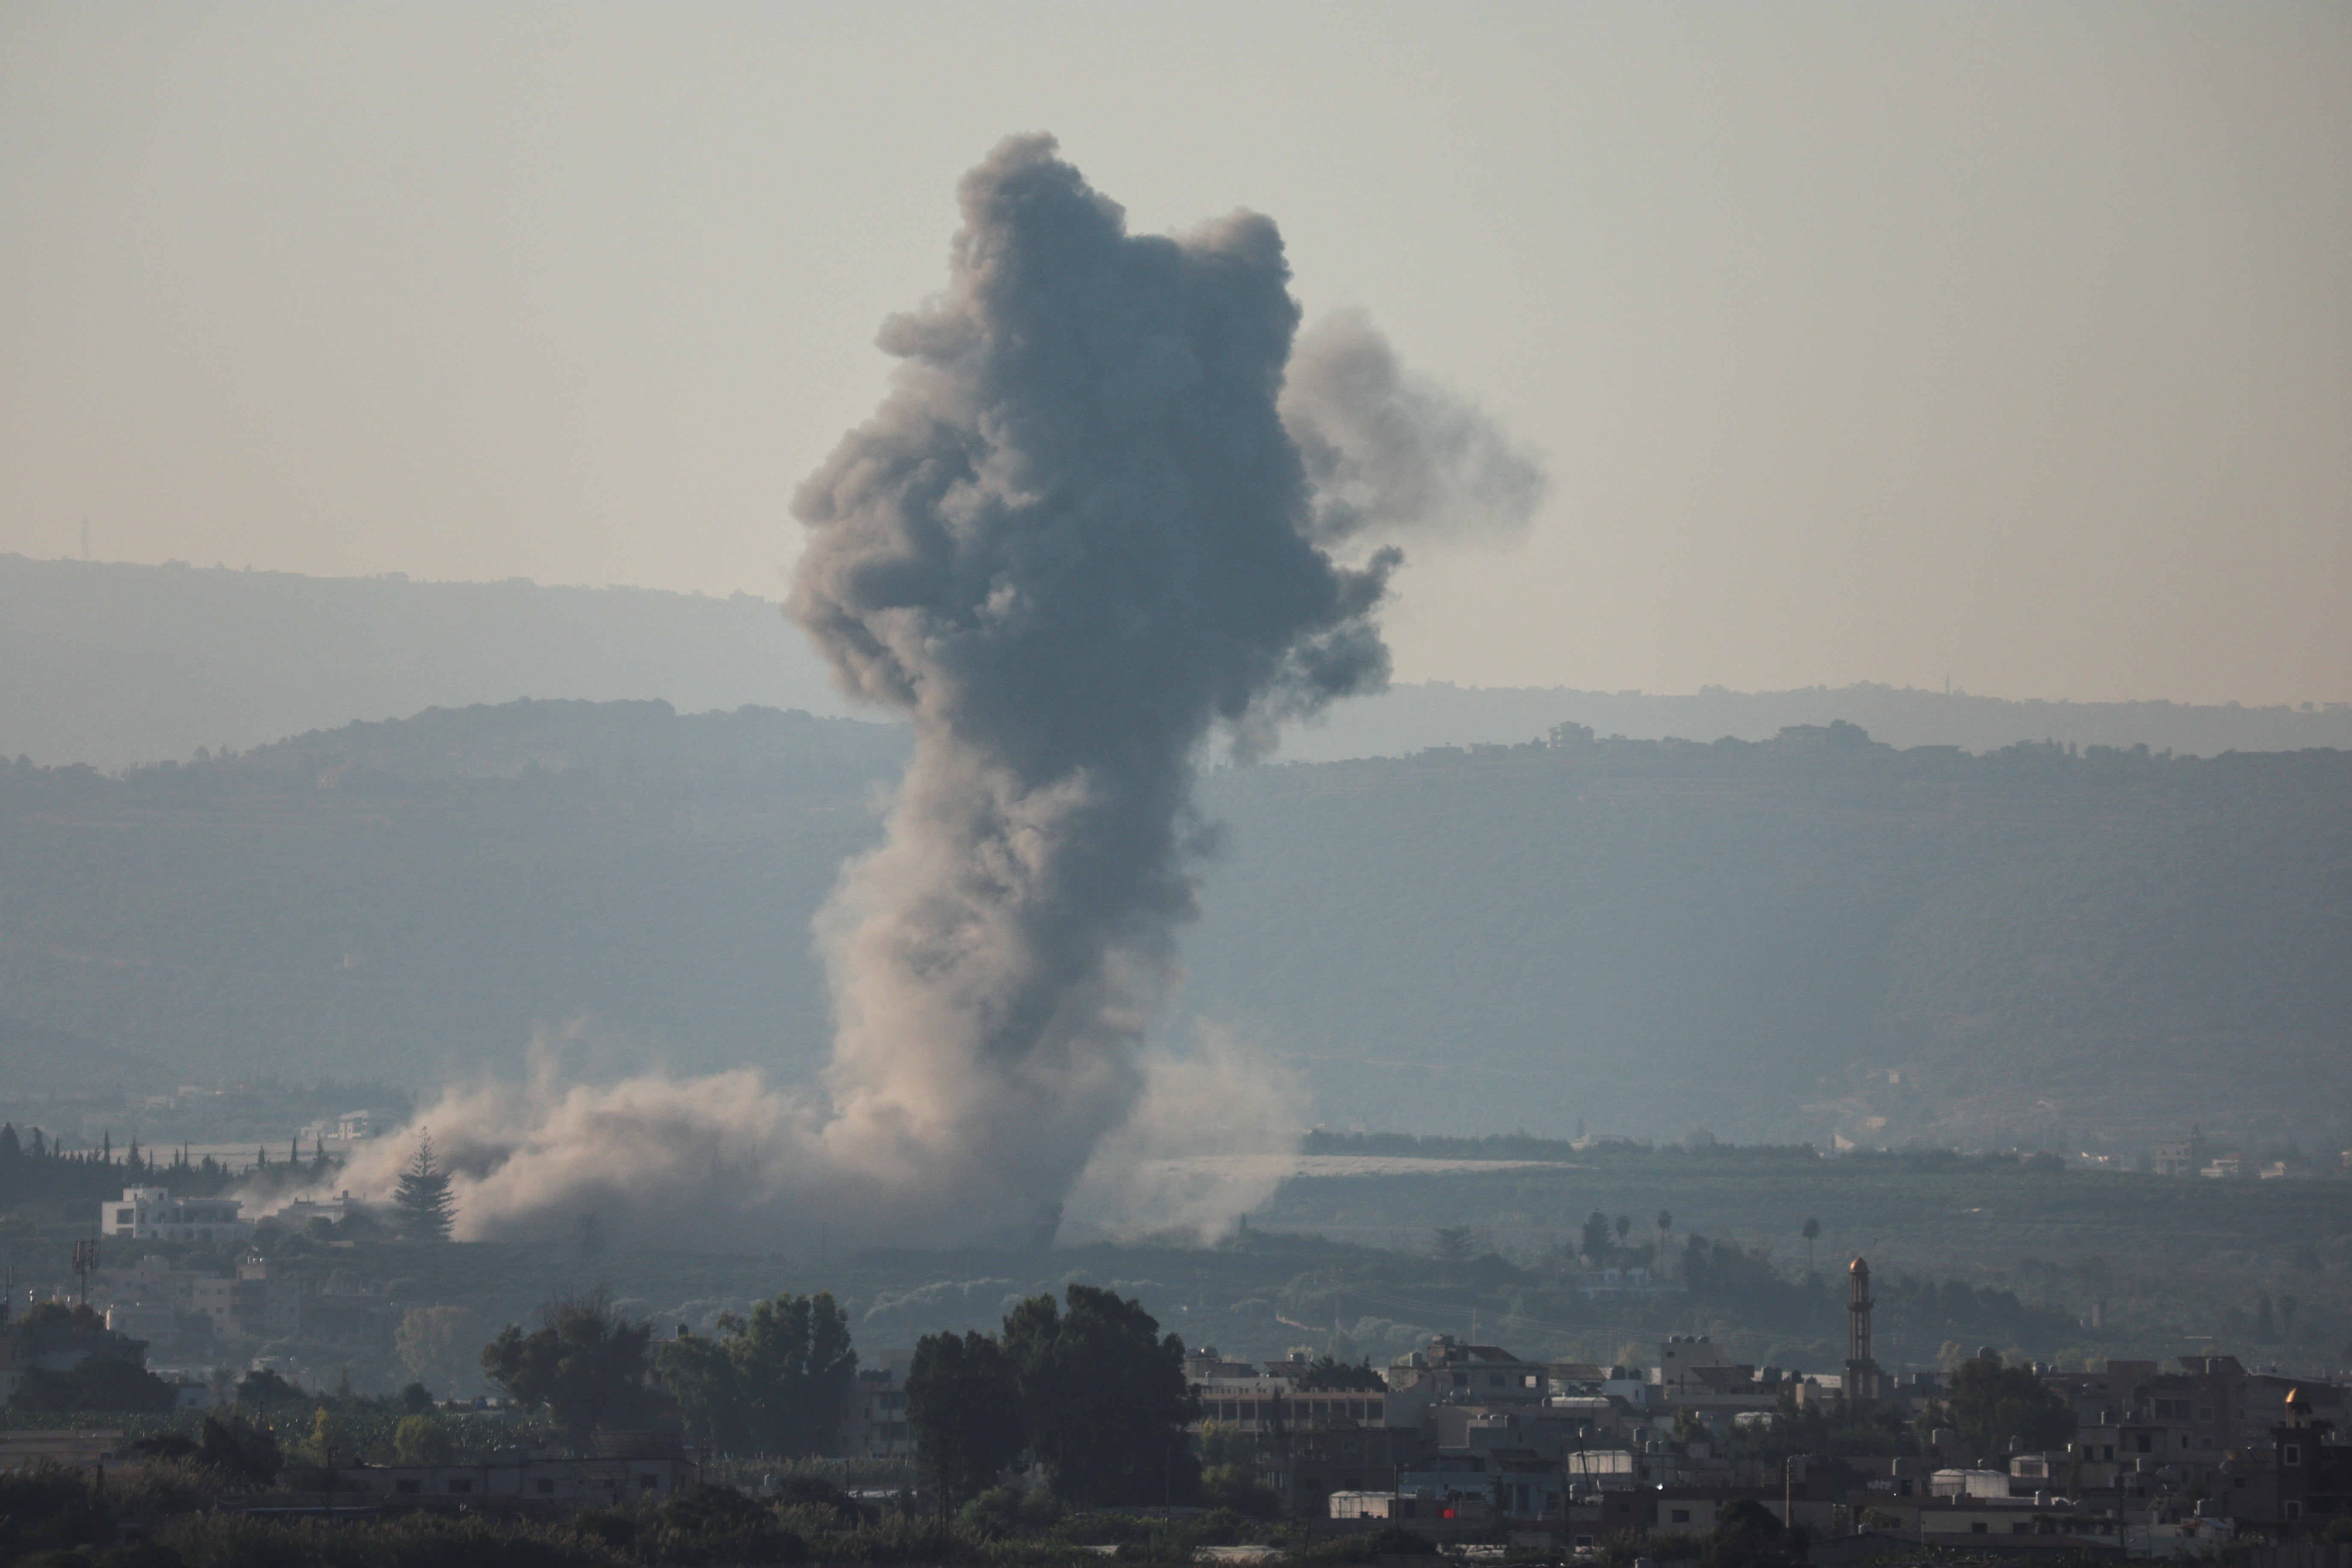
{"type": "Point", "coordinates": [1087, 533]}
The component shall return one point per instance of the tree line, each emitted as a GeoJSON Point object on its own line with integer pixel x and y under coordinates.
{"type": "Point", "coordinates": [1088, 1386]}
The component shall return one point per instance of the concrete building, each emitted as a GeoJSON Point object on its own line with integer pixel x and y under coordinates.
{"type": "Point", "coordinates": [873, 1416]}
{"type": "Point", "coordinates": [152, 1214]}
{"type": "Point", "coordinates": [1489, 1374]}
{"type": "Point", "coordinates": [257, 1303]}
{"type": "Point", "coordinates": [1679, 1357]}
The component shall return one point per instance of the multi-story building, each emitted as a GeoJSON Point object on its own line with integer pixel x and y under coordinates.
{"type": "Point", "coordinates": [257, 1303]}
{"type": "Point", "coordinates": [1488, 1375]}
{"type": "Point", "coordinates": [874, 1423]}
{"type": "Point", "coordinates": [153, 1214]}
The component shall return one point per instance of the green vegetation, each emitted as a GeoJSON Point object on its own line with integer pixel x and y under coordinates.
{"type": "Point", "coordinates": [2007, 1408]}
{"type": "Point", "coordinates": [772, 1383]}
{"type": "Point", "coordinates": [960, 1391]}
{"type": "Point", "coordinates": [585, 1366]}
{"type": "Point", "coordinates": [1103, 1397]}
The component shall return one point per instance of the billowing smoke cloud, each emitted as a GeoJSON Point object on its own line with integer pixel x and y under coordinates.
{"type": "Point", "coordinates": [1388, 451]}
{"type": "Point", "coordinates": [1087, 532]}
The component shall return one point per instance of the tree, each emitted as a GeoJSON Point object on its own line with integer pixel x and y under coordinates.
{"type": "Point", "coordinates": [1665, 1225]}
{"type": "Point", "coordinates": [1596, 1236]}
{"type": "Point", "coordinates": [795, 1363]}
{"type": "Point", "coordinates": [774, 1383]}
{"type": "Point", "coordinates": [1104, 1397]}
{"type": "Point", "coordinates": [332, 1442]}
{"type": "Point", "coordinates": [94, 1382]}
{"type": "Point", "coordinates": [1812, 1234]}
{"type": "Point", "coordinates": [963, 1404]}
{"type": "Point", "coordinates": [1746, 1534]}
{"type": "Point", "coordinates": [1625, 1227]}
{"type": "Point", "coordinates": [1454, 1243]}
{"type": "Point", "coordinates": [427, 1209]}
{"type": "Point", "coordinates": [262, 1388]}
{"type": "Point", "coordinates": [586, 1363]}
{"type": "Point", "coordinates": [1992, 1404]}
{"type": "Point", "coordinates": [422, 1440]}
{"type": "Point", "coordinates": [245, 1451]}
{"type": "Point", "coordinates": [1329, 1374]}
{"type": "Point", "coordinates": [441, 1347]}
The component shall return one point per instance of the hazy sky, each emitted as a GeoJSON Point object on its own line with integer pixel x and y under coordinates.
{"type": "Point", "coordinates": [1864, 342]}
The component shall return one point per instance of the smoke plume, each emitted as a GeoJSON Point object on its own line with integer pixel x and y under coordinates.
{"type": "Point", "coordinates": [1388, 451]}
{"type": "Point", "coordinates": [1087, 533]}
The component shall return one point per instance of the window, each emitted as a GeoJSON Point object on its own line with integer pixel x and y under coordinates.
{"type": "Point", "coordinates": [408, 1488]}
{"type": "Point", "coordinates": [2292, 1454]}
{"type": "Point", "coordinates": [2021, 1529]}
{"type": "Point", "coordinates": [125, 1216]}
{"type": "Point", "coordinates": [2204, 1412]}
{"type": "Point", "coordinates": [2293, 1509]}
{"type": "Point", "coordinates": [1682, 1516]}
{"type": "Point", "coordinates": [459, 1488]}
{"type": "Point", "coordinates": [1979, 1528]}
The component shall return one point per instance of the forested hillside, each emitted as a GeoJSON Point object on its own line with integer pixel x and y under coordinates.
{"type": "Point", "coordinates": [1811, 937]}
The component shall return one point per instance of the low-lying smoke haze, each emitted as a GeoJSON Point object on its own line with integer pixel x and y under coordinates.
{"type": "Point", "coordinates": [1085, 534]}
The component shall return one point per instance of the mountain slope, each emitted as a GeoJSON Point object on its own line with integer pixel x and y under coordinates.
{"type": "Point", "coordinates": [1809, 937]}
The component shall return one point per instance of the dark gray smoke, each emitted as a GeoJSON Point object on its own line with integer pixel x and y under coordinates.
{"type": "Point", "coordinates": [1388, 451]}
{"type": "Point", "coordinates": [1075, 542]}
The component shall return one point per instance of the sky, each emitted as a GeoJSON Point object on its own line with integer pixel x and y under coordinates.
{"type": "Point", "coordinates": [2010, 345]}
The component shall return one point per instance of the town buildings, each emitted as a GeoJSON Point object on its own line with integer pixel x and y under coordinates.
{"type": "Point", "coordinates": [1470, 1439]}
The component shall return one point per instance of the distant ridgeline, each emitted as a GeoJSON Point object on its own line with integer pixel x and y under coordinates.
{"type": "Point", "coordinates": [110, 664]}
{"type": "Point", "coordinates": [1809, 938]}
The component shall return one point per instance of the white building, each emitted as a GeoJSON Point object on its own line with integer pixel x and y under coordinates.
{"type": "Point", "coordinates": [153, 1214]}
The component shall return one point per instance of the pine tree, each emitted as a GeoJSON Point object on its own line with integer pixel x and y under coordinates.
{"type": "Point", "coordinates": [427, 1209]}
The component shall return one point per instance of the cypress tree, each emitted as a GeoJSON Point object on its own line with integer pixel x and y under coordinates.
{"type": "Point", "coordinates": [427, 1209]}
